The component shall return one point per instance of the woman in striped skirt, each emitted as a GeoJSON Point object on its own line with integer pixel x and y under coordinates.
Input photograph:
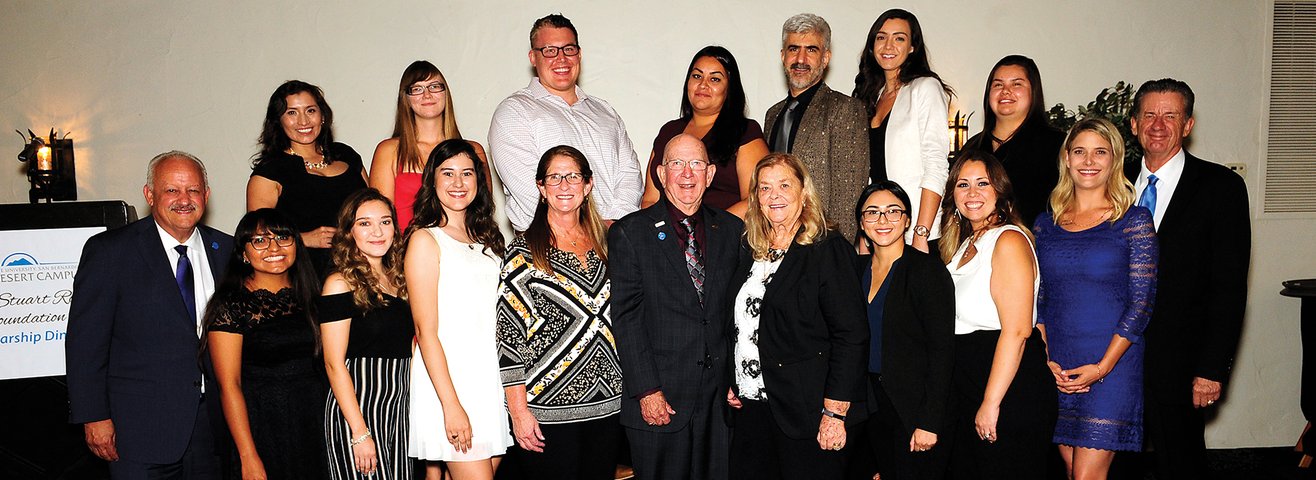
{"type": "Point", "coordinates": [366, 327]}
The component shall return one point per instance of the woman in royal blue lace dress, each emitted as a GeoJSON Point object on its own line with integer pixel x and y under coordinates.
{"type": "Point", "coordinates": [1097, 255]}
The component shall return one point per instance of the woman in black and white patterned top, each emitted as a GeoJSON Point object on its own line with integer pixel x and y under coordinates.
{"type": "Point", "coordinates": [555, 343]}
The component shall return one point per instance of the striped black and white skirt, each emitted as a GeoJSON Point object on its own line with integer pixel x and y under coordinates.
{"type": "Point", "coordinates": [383, 391]}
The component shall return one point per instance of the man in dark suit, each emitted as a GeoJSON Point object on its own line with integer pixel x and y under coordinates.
{"type": "Point", "coordinates": [826, 129]}
{"type": "Point", "coordinates": [134, 377]}
{"type": "Point", "coordinates": [671, 267]}
{"type": "Point", "coordinates": [1202, 221]}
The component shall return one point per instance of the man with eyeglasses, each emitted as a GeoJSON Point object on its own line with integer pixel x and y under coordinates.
{"type": "Point", "coordinates": [554, 111]}
{"type": "Point", "coordinates": [134, 379]}
{"type": "Point", "coordinates": [671, 267]}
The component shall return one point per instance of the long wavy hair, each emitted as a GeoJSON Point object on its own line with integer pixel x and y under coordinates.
{"type": "Point", "coordinates": [955, 229]}
{"type": "Point", "coordinates": [404, 120]}
{"type": "Point", "coordinates": [871, 79]}
{"type": "Point", "coordinates": [813, 225]}
{"type": "Point", "coordinates": [232, 285]}
{"type": "Point", "coordinates": [480, 223]}
{"type": "Point", "coordinates": [273, 141]}
{"type": "Point", "coordinates": [539, 236]}
{"type": "Point", "coordinates": [723, 140]}
{"type": "Point", "coordinates": [1036, 111]}
{"type": "Point", "coordinates": [367, 292]}
{"type": "Point", "coordinates": [1119, 190]}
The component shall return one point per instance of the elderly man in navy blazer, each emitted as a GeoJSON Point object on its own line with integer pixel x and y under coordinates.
{"type": "Point", "coordinates": [671, 267]}
{"type": "Point", "coordinates": [135, 380]}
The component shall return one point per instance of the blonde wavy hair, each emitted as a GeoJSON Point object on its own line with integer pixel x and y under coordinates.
{"type": "Point", "coordinates": [1119, 190]}
{"type": "Point", "coordinates": [813, 225]}
{"type": "Point", "coordinates": [367, 293]}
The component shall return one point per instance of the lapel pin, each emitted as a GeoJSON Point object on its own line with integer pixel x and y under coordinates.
{"type": "Point", "coordinates": [214, 245]}
{"type": "Point", "coordinates": [662, 235]}
{"type": "Point", "coordinates": [660, 224]}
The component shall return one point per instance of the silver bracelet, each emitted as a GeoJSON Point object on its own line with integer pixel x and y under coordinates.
{"type": "Point", "coordinates": [357, 441]}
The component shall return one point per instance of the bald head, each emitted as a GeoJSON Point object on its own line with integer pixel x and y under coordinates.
{"type": "Point", "coordinates": [685, 172]}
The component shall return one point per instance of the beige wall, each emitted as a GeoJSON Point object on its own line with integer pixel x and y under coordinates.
{"type": "Point", "coordinates": [132, 79]}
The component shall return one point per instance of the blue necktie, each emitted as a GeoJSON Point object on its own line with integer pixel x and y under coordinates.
{"type": "Point", "coordinates": [1148, 197]}
{"type": "Point", "coordinates": [183, 275]}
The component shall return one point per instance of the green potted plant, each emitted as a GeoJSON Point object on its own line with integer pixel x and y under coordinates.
{"type": "Point", "coordinates": [1114, 104]}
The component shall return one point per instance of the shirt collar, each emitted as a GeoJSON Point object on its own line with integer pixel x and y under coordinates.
{"type": "Point", "coordinates": [169, 242]}
{"type": "Point", "coordinates": [1168, 173]}
{"type": "Point", "coordinates": [538, 91]}
{"type": "Point", "coordinates": [807, 95]}
{"type": "Point", "coordinates": [677, 215]}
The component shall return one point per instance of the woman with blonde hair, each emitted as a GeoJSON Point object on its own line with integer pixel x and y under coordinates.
{"type": "Point", "coordinates": [801, 334]}
{"type": "Point", "coordinates": [424, 118]}
{"type": "Point", "coordinates": [366, 330]}
{"type": "Point", "coordinates": [1097, 254]}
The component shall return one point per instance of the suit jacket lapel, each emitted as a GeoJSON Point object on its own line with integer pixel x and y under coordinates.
{"type": "Point", "coordinates": [213, 253]}
{"type": "Point", "coordinates": [1183, 191]}
{"type": "Point", "coordinates": [787, 273]}
{"type": "Point", "coordinates": [669, 244]}
{"type": "Point", "coordinates": [157, 266]}
{"type": "Point", "coordinates": [814, 116]}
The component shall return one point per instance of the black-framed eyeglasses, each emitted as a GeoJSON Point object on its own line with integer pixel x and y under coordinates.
{"type": "Point", "coordinates": [555, 179]}
{"type": "Point", "coordinates": [418, 90]}
{"type": "Point", "coordinates": [550, 51]}
{"type": "Point", "coordinates": [262, 242]}
{"type": "Point", "coordinates": [891, 216]}
{"type": "Point", "coordinates": [696, 165]}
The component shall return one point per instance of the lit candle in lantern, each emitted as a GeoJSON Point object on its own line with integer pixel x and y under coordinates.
{"type": "Point", "coordinates": [43, 159]}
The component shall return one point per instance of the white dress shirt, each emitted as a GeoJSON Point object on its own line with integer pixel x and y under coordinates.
{"type": "Point", "coordinates": [203, 282]}
{"type": "Point", "coordinates": [533, 120]}
{"type": "Point", "coordinates": [1167, 178]}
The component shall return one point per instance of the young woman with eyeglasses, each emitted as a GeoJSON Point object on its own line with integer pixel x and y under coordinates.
{"type": "Point", "coordinates": [424, 118]}
{"type": "Point", "coordinates": [261, 335]}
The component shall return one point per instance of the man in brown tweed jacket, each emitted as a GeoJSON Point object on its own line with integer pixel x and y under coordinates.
{"type": "Point", "coordinates": [825, 128]}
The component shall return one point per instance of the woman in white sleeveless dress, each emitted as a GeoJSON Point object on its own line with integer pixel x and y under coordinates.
{"type": "Point", "coordinates": [452, 264]}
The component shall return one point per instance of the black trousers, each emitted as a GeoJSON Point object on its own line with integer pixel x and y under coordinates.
{"type": "Point", "coordinates": [1177, 433]}
{"type": "Point", "coordinates": [696, 452]}
{"type": "Point", "coordinates": [578, 450]}
{"type": "Point", "coordinates": [199, 460]}
{"type": "Point", "coordinates": [887, 438]}
{"type": "Point", "coordinates": [761, 451]}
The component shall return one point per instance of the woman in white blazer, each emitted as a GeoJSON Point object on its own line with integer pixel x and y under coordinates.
{"type": "Point", "coordinates": [907, 103]}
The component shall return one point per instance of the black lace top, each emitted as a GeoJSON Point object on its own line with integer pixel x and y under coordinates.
{"type": "Point", "coordinates": [277, 339]}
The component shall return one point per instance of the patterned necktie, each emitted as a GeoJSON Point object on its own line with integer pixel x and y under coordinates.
{"type": "Point", "coordinates": [183, 275]}
{"type": "Point", "coordinates": [782, 139]}
{"type": "Point", "coordinates": [1148, 197]}
{"type": "Point", "coordinates": [693, 261]}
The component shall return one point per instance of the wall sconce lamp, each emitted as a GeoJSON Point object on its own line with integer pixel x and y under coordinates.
{"type": "Point", "coordinates": [959, 132]}
{"type": "Point", "coordinates": [49, 167]}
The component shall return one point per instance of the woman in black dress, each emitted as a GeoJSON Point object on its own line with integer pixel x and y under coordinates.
{"type": "Point", "coordinates": [300, 171]}
{"type": "Point", "coordinates": [262, 338]}
{"type": "Point", "coordinates": [1018, 134]}
{"type": "Point", "coordinates": [366, 328]}
{"type": "Point", "coordinates": [911, 317]}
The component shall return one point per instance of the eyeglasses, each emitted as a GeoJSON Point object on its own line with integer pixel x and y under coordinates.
{"type": "Point", "coordinates": [891, 216]}
{"type": "Point", "coordinates": [572, 178]}
{"type": "Point", "coordinates": [262, 242]}
{"type": "Point", "coordinates": [418, 90]}
{"type": "Point", "coordinates": [570, 50]}
{"type": "Point", "coordinates": [696, 165]}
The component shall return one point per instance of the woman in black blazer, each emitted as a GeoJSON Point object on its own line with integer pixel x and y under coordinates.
{"type": "Point", "coordinates": [911, 314]}
{"type": "Point", "coordinates": [800, 336]}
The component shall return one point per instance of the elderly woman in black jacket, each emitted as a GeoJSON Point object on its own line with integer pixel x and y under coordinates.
{"type": "Point", "coordinates": [800, 334]}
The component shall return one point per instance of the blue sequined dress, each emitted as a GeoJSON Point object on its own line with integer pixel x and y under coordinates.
{"type": "Point", "coordinates": [1095, 283]}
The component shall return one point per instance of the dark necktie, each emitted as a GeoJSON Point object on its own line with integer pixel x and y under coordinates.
{"type": "Point", "coordinates": [1148, 197]}
{"type": "Point", "coordinates": [782, 139]}
{"type": "Point", "coordinates": [183, 275]}
{"type": "Point", "coordinates": [693, 261]}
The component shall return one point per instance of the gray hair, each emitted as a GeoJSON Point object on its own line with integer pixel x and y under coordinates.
{"type": "Point", "coordinates": [808, 23]}
{"type": "Point", "coordinates": [155, 162]}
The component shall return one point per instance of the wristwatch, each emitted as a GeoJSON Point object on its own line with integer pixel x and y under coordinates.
{"type": "Point", "coordinates": [921, 231]}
